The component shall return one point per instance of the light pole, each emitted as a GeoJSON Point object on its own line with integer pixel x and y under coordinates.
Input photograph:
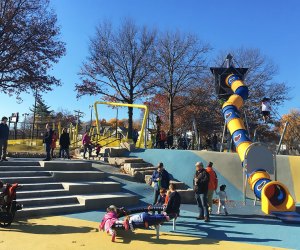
{"type": "Point", "coordinates": [91, 107]}
{"type": "Point", "coordinates": [25, 116]}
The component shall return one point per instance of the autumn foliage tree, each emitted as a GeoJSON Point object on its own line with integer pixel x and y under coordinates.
{"type": "Point", "coordinates": [292, 135]}
{"type": "Point", "coordinates": [29, 46]}
{"type": "Point", "coordinates": [120, 64]}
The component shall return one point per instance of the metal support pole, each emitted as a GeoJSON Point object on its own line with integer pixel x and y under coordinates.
{"type": "Point", "coordinates": [247, 125]}
{"type": "Point", "coordinates": [223, 135]}
{"type": "Point", "coordinates": [281, 138]}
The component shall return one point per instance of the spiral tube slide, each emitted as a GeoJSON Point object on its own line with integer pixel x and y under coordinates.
{"type": "Point", "coordinates": [274, 195]}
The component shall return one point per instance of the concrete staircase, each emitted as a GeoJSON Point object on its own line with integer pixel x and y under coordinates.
{"type": "Point", "coordinates": [59, 187]}
{"type": "Point", "coordinates": [142, 172]}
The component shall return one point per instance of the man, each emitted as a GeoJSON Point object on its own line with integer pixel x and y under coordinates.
{"type": "Point", "coordinates": [160, 179]}
{"type": "Point", "coordinates": [64, 142]}
{"type": "Point", "coordinates": [48, 141]}
{"type": "Point", "coordinates": [201, 180]}
{"type": "Point", "coordinates": [4, 132]}
{"type": "Point", "coordinates": [174, 202]}
{"type": "Point", "coordinates": [86, 142]}
{"type": "Point", "coordinates": [135, 136]}
{"type": "Point", "coordinates": [212, 185]}
{"type": "Point", "coordinates": [170, 139]}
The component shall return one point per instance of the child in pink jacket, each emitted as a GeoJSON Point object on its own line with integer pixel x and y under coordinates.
{"type": "Point", "coordinates": [108, 221]}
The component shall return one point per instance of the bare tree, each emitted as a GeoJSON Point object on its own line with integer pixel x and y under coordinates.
{"type": "Point", "coordinates": [29, 45]}
{"type": "Point", "coordinates": [120, 64]}
{"type": "Point", "coordinates": [180, 66]}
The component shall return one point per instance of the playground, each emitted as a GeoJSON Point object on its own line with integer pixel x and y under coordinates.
{"type": "Point", "coordinates": [146, 135]}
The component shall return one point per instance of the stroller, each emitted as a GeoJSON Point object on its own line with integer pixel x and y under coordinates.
{"type": "Point", "coordinates": [8, 203]}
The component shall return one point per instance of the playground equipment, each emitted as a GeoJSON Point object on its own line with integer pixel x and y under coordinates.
{"type": "Point", "coordinates": [143, 134]}
{"type": "Point", "coordinates": [124, 212]}
{"type": "Point", "coordinates": [257, 160]}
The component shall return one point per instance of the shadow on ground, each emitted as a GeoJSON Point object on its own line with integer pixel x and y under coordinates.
{"type": "Point", "coordinates": [35, 228]}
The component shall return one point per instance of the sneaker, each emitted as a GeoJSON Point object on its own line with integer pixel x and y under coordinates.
{"type": "Point", "coordinates": [226, 213]}
{"type": "Point", "coordinates": [206, 219]}
{"type": "Point", "coordinates": [46, 159]}
{"type": "Point", "coordinates": [4, 159]}
{"type": "Point", "coordinates": [113, 236]}
{"type": "Point", "coordinates": [200, 218]}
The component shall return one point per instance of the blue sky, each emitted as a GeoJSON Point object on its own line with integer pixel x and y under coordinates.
{"type": "Point", "coordinates": [271, 26]}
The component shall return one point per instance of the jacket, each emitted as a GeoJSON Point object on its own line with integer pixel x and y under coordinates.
{"type": "Point", "coordinates": [201, 180]}
{"type": "Point", "coordinates": [86, 140]}
{"type": "Point", "coordinates": [164, 179]}
{"type": "Point", "coordinates": [54, 140]}
{"type": "Point", "coordinates": [64, 140]}
{"type": "Point", "coordinates": [4, 131]}
{"type": "Point", "coordinates": [173, 205]}
{"type": "Point", "coordinates": [108, 221]}
{"type": "Point", "coordinates": [48, 137]}
{"type": "Point", "coordinates": [213, 179]}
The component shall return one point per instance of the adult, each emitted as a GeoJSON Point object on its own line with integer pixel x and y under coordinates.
{"type": "Point", "coordinates": [214, 142]}
{"type": "Point", "coordinates": [48, 141]}
{"type": "Point", "coordinates": [212, 185]}
{"type": "Point", "coordinates": [64, 143]}
{"type": "Point", "coordinates": [4, 132]}
{"type": "Point", "coordinates": [86, 142]}
{"type": "Point", "coordinates": [160, 179]}
{"type": "Point", "coordinates": [174, 202]}
{"type": "Point", "coordinates": [170, 139]}
{"type": "Point", "coordinates": [162, 139]}
{"type": "Point", "coordinates": [201, 180]}
{"type": "Point", "coordinates": [53, 143]}
{"type": "Point", "coordinates": [135, 136]}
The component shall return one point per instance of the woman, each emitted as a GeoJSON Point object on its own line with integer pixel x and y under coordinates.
{"type": "Point", "coordinates": [53, 143]}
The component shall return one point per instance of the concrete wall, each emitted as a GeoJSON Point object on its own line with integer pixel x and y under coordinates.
{"type": "Point", "coordinates": [181, 164]}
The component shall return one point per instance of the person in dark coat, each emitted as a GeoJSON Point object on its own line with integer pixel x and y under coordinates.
{"type": "Point", "coordinates": [201, 180]}
{"type": "Point", "coordinates": [64, 142]}
{"type": "Point", "coordinates": [48, 141]}
{"type": "Point", "coordinates": [4, 132]}
{"type": "Point", "coordinates": [170, 139]}
{"type": "Point", "coordinates": [160, 179]}
{"type": "Point", "coordinates": [174, 202]}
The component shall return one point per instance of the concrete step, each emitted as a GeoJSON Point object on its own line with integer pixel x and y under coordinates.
{"type": "Point", "coordinates": [32, 179]}
{"type": "Point", "coordinates": [120, 161]}
{"type": "Point", "coordinates": [71, 176]}
{"type": "Point", "coordinates": [134, 170]}
{"type": "Point", "coordinates": [105, 200]}
{"type": "Point", "coordinates": [50, 210]}
{"type": "Point", "coordinates": [187, 196]}
{"type": "Point", "coordinates": [41, 186]}
{"type": "Point", "coordinates": [92, 187]}
{"type": "Point", "coordinates": [48, 201]}
{"type": "Point", "coordinates": [128, 166]}
{"type": "Point", "coordinates": [140, 175]}
{"type": "Point", "coordinates": [179, 184]}
{"type": "Point", "coordinates": [19, 163]}
{"type": "Point", "coordinates": [4, 174]}
{"type": "Point", "coordinates": [41, 193]}
{"type": "Point", "coordinates": [20, 168]}
{"type": "Point", "coordinates": [66, 165]}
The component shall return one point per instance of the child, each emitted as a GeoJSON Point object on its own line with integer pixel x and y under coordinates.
{"type": "Point", "coordinates": [145, 218]}
{"type": "Point", "coordinates": [222, 199]}
{"type": "Point", "coordinates": [265, 109]}
{"type": "Point", "coordinates": [162, 197]}
{"type": "Point", "coordinates": [167, 198]}
{"type": "Point", "coordinates": [98, 148]}
{"type": "Point", "coordinates": [109, 220]}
